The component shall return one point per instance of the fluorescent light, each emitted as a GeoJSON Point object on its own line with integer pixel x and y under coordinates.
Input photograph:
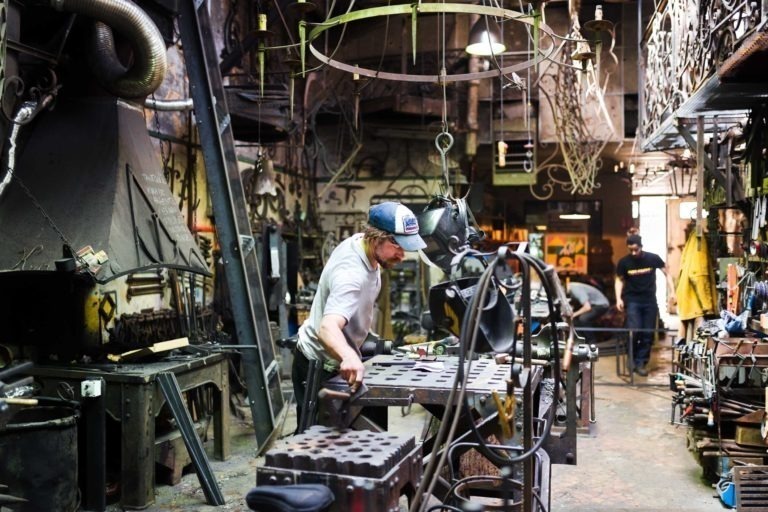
{"type": "Point", "coordinates": [575, 216]}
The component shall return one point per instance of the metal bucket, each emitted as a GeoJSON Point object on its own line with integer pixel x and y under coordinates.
{"type": "Point", "coordinates": [38, 450]}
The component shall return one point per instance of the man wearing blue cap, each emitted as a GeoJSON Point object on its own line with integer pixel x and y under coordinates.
{"type": "Point", "coordinates": [342, 310]}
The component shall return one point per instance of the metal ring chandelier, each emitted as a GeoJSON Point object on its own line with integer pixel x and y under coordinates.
{"type": "Point", "coordinates": [414, 10]}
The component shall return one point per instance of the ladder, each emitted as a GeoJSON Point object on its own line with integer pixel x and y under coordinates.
{"type": "Point", "coordinates": [249, 308]}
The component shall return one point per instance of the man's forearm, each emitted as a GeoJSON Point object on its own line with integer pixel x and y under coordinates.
{"type": "Point", "coordinates": [333, 339]}
{"type": "Point", "coordinates": [583, 309]}
{"type": "Point", "coordinates": [670, 283]}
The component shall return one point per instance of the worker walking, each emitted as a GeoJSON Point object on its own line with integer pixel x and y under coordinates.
{"type": "Point", "coordinates": [636, 292]}
{"type": "Point", "coordinates": [343, 307]}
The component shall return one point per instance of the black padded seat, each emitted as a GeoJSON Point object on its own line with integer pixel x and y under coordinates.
{"type": "Point", "coordinates": [289, 498]}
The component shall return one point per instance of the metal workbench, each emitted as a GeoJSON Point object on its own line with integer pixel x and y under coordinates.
{"type": "Point", "coordinates": [134, 398]}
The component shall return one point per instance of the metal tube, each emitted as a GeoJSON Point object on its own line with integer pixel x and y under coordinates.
{"type": "Point", "coordinates": [150, 61]}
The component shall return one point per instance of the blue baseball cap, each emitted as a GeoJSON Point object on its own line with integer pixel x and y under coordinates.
{"type": "Point", "coordinates": [398, 220]}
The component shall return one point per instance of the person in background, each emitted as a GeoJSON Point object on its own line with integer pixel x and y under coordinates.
{"type": "Point", "coordinates": [636, 293]}
{"type": "Point", "coordinates": [589, 304]}
{"type": "Point", "coordinates": [342, 310]}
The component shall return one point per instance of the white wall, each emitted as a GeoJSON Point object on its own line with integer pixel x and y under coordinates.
{"type": "Point", "coordinates": [653, 229]}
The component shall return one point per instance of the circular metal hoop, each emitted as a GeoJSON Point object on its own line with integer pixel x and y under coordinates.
{"type": "Point", "coordinates": [391, 10]}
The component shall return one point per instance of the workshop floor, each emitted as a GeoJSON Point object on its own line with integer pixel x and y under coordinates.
{"type": "Point", "coordinates": [632, 459]}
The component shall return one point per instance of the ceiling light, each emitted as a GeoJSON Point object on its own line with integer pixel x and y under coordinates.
{"type": "Point", "coordinates": [485, 38]}
{"type": "Point", "coordinates": [575, 216]}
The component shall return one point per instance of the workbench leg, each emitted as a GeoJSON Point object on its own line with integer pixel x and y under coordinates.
{"type": "Point", "coordinates": [221, 413]}
{"type": "Point", "coordinates": [137, 479]}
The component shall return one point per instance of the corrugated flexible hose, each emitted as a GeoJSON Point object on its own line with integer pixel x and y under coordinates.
{"type": "Point", "coordinates": [149, 65]}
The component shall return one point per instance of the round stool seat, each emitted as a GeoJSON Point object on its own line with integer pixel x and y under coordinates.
{"type": "Point", "coordinates": [289, 498]}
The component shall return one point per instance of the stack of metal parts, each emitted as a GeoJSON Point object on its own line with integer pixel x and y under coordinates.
{"type": "Point", "coordinates": [365, 470]}
{"type": "Point", "coordinates": [719, 394]}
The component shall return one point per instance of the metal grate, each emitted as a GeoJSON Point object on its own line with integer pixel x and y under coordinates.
{"type": "Point", "coordinates": [751, 488]}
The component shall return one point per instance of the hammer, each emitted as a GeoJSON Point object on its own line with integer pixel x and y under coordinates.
{"type": "Point", "coordinates": [339, 402]}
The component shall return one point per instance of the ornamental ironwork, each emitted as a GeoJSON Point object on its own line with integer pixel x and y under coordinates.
{"type": "Point", "coordinates": [685, 42]}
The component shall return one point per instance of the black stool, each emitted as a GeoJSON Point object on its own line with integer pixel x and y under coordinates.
{"type": "Point", "coordinates": [290, 498]}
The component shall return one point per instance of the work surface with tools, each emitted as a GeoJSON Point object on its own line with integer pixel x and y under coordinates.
{"type": "Point", "coordinates": [399, 381]}
{"type": "Point", "coordinates": [431, 380]}
{"type": "Point", "coordinates": [606, 479]}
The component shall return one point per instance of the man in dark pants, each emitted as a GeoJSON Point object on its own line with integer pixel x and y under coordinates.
{"type": "Point", "coordinates": [343, 307]}
{"type": "Point", "coordinates": [636, 292]}
{"type": "Point", "coordinates": [589, 304]}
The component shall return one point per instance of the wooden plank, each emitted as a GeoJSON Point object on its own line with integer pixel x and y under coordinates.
{"type": "Point", "coordinates": [157, 348]}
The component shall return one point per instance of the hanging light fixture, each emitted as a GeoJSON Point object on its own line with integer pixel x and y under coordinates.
{"type": "Point", "coordinates": [575, 211]}
{"type": "Point", "coordinates": [485, 38]}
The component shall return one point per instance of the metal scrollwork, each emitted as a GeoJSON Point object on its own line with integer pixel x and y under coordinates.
{"type": "Point", "coordinates": [552, 175]}
{"type": "Point", "coordinates": [576, 98]}
{"type": "Point", "coordinates": [687, 41]}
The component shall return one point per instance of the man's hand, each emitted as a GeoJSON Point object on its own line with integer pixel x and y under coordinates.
{"type": "Point", "coordinates": [352, 370]}
{"type": "Point", "coordinates": [671, 301]}
{"type": "Point", "coordinates": [620, 304]}
{"type": "Point", "coordinates": [351, 367]}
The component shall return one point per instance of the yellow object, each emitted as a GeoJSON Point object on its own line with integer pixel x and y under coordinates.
{"type": "Point", "coordinates": [696, 291]}
{"type": "Point", "coordinates": [506, 414]}
{"type": "Point", "coordinates": [411, 339]}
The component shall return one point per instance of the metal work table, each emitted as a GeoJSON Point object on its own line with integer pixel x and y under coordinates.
{"type": "Point", "coordinates": [396, 380]}
{"type": "Point", "coordinates": [134, 398]}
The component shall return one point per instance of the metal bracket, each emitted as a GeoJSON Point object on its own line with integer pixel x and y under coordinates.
{"type": "Point", "coordinates": [247, 244]}
{"type": "Point", "coordinates": [172, 393]}
{"type": "Point", "coordinates": [692, 144]}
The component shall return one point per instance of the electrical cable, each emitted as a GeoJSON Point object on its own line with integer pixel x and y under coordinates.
{"type": "Point", "coordinates": [524, 259]}
{"type": "Point", "coordinates": [471, 319]}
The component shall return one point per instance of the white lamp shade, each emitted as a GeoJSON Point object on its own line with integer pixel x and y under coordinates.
{"type": "Point", "coordinates": [485, 38]}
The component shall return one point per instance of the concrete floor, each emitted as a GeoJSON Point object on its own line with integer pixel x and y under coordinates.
{"type": "Point", "coordinates": [633, 459]}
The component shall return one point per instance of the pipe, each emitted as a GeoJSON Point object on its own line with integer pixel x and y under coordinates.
{"type": "Point", "coordinates": [473, 102]}
{"type": "Point", "coordinates": [25, 113]}
{"type": "Point", "coordinates": [149, 63]}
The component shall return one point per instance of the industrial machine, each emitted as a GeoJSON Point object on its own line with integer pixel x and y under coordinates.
{"type": "Point", "coordinates": [107, 247]}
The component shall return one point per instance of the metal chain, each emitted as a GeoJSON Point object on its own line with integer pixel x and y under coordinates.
{"type": "Point", "coordinates": [50, 221]}
{"type": "Point", "coordinates": [25, 115]}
